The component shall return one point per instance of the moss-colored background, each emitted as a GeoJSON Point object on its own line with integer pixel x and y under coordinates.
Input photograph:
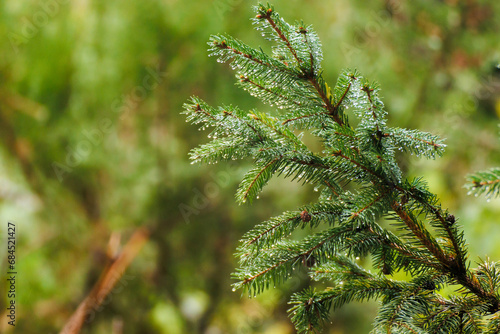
{"type": "Point", "coordinates": [92, 143]}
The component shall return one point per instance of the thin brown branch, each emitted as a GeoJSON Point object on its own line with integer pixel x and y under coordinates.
{"type": "Point", "coordinates": [332, 111]}
{"type": "Point", "coordinates": [223, 45]}
{"type": "Point", "coordinates": [197, 108]}
{"type": "Point", "coordinates": [454, 241]}
{"type": "Point", "coordinates": [424, 238]}
{"type": "Point", "coordinates": [283, 38]}
{"type": "Point", "coordinates": [309, 76]}
{"type": "Point", "coordinates": [331, 188]}
{"type": "Point", "coordinates": [425, 141]}
{"type": "Point", "coordinates": [106, 283]}
{"type": "Point", "coordinates": [337, 105]}
{"type": "Point", "coordinates": [485, 183]}
{"type": "Point", "coordinates": [357, 213]}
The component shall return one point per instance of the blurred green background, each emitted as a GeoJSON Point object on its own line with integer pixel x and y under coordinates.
{"type": "Point", "coordinates": [92, 142]}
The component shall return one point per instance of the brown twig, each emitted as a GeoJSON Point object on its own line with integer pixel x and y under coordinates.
{"type": "Point", "coordinates": [110, 276]}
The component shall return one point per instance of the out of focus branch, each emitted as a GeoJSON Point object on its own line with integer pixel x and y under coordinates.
{"type": "Point", "coordinates": [110, 276]}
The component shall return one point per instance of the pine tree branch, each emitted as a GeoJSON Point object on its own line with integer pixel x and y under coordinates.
{"type": "Point", "coordinates": [425, 238]}
{"type": "Point", "coordinates": [430, 143]}
{"type": "Point", "coordinates": [459, 253]}
{"type": "Point", "coordinates": [276, 127]}
{"type": "Point", "coordinates": [197, 109]}
{"type": "Point", "coordinates": [357, 213]}
{"type": "Point", "coordinates": [309, 76]}
{"type": "Point", "coordinates": [228, 113]}
{"type": "Point", "coordinates": [451, 263]}
{"type": "Point", "coordinates": [339, 102]}
{"type": "Point", "coordinates": [292, 259]}
{"type": "Point", "coordinates": [281, 96]}
{"type": "Point", "coordinates": [286, 221]}
{"type": "Point", "coordinates": [259, 174]}
{"type": "Point", "coordinates": [302, 117]}
{"type": "Point", "coordinates": [303, 31]}
{"type": "Point", "coordinates": [365, 153]}
{"type": "Point", "coordinates": [332, 111]}
{"type": "Point", "coordinates": [330, 186]}
{"type": "Point", "coordinates": [455, 263]}
{"type": "Point", "coordinates": [223, 45]}
{"type": "Point", "coordinates": [358, 164]}
{"type": "Point", "coordinates": [368, 91]}
{"type": "Point", "coordinates": [484, 182]}
{"type": "Point", "coordinates": [267, 16]}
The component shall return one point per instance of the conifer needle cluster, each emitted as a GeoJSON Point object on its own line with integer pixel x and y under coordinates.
{"type": "Point", "coordinates": [367, 208]}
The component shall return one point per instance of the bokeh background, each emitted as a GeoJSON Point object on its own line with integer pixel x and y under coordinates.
{"type": "Point", "coordinates": [93, 147]}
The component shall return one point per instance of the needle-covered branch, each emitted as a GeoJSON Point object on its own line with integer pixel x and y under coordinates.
{"type": "Point", "coordinates": [367, 212]}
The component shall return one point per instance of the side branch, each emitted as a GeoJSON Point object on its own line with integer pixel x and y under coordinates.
{"type": "Point", "coordinates": [432, 143]}
{"type": "Point", "coordinates": [246, 123]}
{"type": "Point", "coordinates": [332, 110]}
{"type": "Point", "coordinates": [282, 36]}
{"type": "Point", "coordinates": [429, 243]}
{"type": "Point", "coordinates": [332, 189]}
{"type": "Point", "coordinates": [368, 91]}
{"type": "Point", "coordinates": [485, 183]}
{"type": "Point", "coordinates": [357, 213]}
{"type": "Point", "coordinates": [454, 241]}
{"type": "Point", "coordinates": [339, 154]}
{"type": "Point", "coordinates": [247, 191]}
{"type": "Point", "coordinates": [303, 31]}
{"type": "Point", "coordinates": [223, 45]}
{"type": "Point", "coordinates": [197, 108]}
{"type": "Point", "coordinates": [310, 76]}
{"type": "Point", "coordinates": [337, 105]}
{"type": "Point", "coordinates": [304, 116]}
{"type": "Point", "coordinates": [455, 263]}
{"type": "Point", "coordinates": [298, 256]}
{"type": "Point", "coordinates": [286, 221]}
{"type": "Point", "coordinates": [246, 79]}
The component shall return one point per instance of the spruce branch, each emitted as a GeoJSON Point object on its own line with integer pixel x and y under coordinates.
{"type": "Point", "coordinates": [486, 182]}
{"type": "Point", "coordinates": [366, 208]}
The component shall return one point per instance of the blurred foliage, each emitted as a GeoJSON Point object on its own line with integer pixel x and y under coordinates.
{"type": "Point", "coordinates": [92, 143]}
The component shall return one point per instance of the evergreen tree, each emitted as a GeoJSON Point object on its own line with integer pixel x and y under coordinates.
{"type": "Point", "coordinates": [366, 207]}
